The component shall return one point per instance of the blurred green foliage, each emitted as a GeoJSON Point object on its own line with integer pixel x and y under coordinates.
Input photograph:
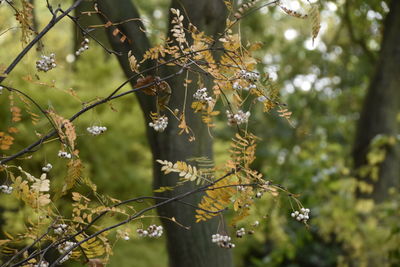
{"type": "Point", "coordinates": [323, 86]}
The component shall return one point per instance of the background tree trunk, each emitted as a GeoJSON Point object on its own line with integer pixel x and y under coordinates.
{"type": "Point", "coordinates": [382, 106]}
{"type": "Point", "coordinates": [185, 247]}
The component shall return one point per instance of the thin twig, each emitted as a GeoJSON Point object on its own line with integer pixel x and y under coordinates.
{"type": "Point", "coordinates": [178, 197]}
{"type": "Point", "coordinates": [86, 32]}
{"type": "Point", "coordinates": [110, 97]}
{"type": "Point", "coordinates": [31, 245]}
{"type": "Point", "coordinates": [132, 217]}
{"type": "Point", "coordinates": [44, 112]}
{"type": "Point", "coordinates": [54, 20]}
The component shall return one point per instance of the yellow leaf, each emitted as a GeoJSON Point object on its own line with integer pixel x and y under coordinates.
{"type": "Point", "coordinates": [315, 21]}
{"type": "Point", "coordinates": [4, 241]}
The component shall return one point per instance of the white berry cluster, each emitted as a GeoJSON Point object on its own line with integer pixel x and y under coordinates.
{"type": "Point", "coordinates": [261, 98]}
{"type": "Point", "coordinates": [153, 231]}
{"type": "Point", "coordinates": [59, 229]}
{"type": "Point", "coordinates": [6, 189]}
{"type": "Point", "coordinates": [126, 237]}
{"type": "Point", "coordinates": [302, 215]}
{"type": "Point", "coordinates": [237, 86]}
{"type": "Point", "coordinates": [246, 80]}
{"type": "Point", "coordinates": [47, 168]}
{"type": "Point", "coordinates": [249, 76]}
{"type": "Point", "coordinates": [65, 155]}
{"type": "Point", "coordinates": [159, 124]}
{"type": "Point", "coordinates": [123, 234]}
{"type": "Point", "coordinates": [46, 63]}
{"type": "Point", "coordinates": [222, 240]}
{"type": "Point", "coordinates": [202, 95]}
{"type": "Point", "coordinates": [64, 247]}
{"type": "Point", "coordinates": [241, 232]}
{"type": "Point", "coordinates": [42, 263]}
{"type": "Point", "coordinates": [1, 89]}
{"type": "Point", "coordinates": [240, 188]}
{"type": "Point", "coordinates": [96, 130]}
{"type": "Point", "coordinates": [84, 47]}
{"type": "Point", "coordinates": [237, 118]}
{"type": "Point", "coordinates": [259, 194]}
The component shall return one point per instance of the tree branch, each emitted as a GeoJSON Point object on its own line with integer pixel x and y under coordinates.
{"type": "Point", "coordinates": [55, 19]}
{"type": "Point", "coordinates": [112, 96]}
{"type": "Point", "coordinates": [176, 198]}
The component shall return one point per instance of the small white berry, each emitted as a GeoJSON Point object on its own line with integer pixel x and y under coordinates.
{"type": "Point", "coordinates": [261, 98]}
{"type": "Point", "coordinates": [46, 63]}
{"type": "Point", "coordinates": [159, 124]}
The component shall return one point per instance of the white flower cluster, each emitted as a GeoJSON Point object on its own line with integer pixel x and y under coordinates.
{"type": "Point", "coordinates": [46, 63]}
{"type": "Point", "coordinates": [1, 89]}
{"type": "Point", "coordinates": [96, 130]}
{"type": "Point", "coordinates": [48, 167]}
{"type": "Point", "coordinates": [159, 124]}
{"type": "Point", "coordinates": [302, 215]}
{"type": "Point", "coordinates": [256, 223]}
{"type": "Point", "coordinates": [153, 231]}
{"type": "Point", "coordinates": [63, 154]}
{"type": "Point", "coordinates": [6, 189]}
{"type": "Point", "coordinates": [249, 76]}
{"type": "Point", "coordinates": [237, 118]}
{"type": "Point", "coordinates": [222, 240]}
{"type": "Point", "coordinates": [62, 248]}
{"type": "Point", "coordinates": [59, 229]}
{"type": "Point", "coordinates": [202, 95]}
{"type": "Point", "coordinates": [42, 263]}
{"type": "Point", "coordinates": [240, 233]}
{"type": "Point", "coordinates": [84, 47]}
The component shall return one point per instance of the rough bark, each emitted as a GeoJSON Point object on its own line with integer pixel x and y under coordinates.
{"type": "Point", "coordinates": [381, 107]}
{"type": "Point", "coordinates": [185, 247]}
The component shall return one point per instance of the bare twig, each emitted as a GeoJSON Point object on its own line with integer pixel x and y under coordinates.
{"type": "Point", "coordinates": [110, 97]}
{"type": "Point", "coordinates": [44, 112]}
{"type": "Point", "coordinates": [31, 245]}
{"type": "Point", "coordinates": [177, 198]}
{"type": "Point", "coordinates": [86, 32]}
{"type": "Point", "coordinates": [54, 20]}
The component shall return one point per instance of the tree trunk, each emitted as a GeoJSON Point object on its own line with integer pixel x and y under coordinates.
{"type": "Point", "coordinates": [381, 108]}
{"type": "Point", "coordinates": [191, 247]}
